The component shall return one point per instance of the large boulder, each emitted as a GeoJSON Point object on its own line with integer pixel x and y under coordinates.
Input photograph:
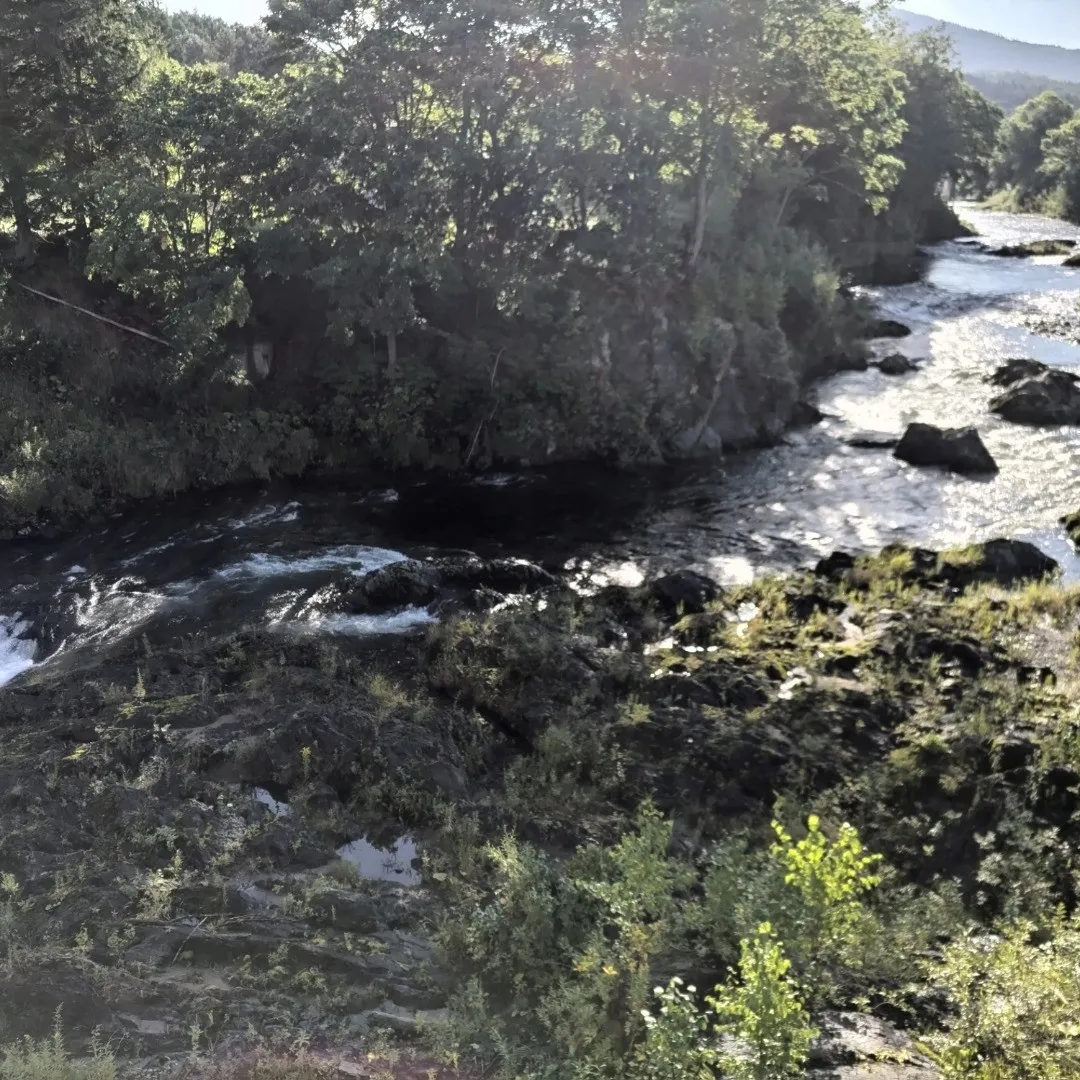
{"type": "Point", "coordinates": [684, 592]}
{"type": "Point", "coordinates": [959, 449]}
{"type": "Point", "coordinates": [851, 1045]}
{"type": "Point", "coordinates": [1034, 248]}
{"type": "Point", "coordinates": [1005, 562]}
{"type": "Point", "coordinates": [1051, 398]}
{"type": "Point", "coordinates": [897, 364]}
{"type": "Point", "coordinates": [498, 575]}
{"type": "Point", "coordinates": [872, 440]}
{"type": "Point", "coordinates": [465, 579]}
{"type": "Point", "coordinates": [1017, 369]}
{"type": "Point", "coordinates": [400, 585]}
{"type": "Point", "coordinates": [887, 328]}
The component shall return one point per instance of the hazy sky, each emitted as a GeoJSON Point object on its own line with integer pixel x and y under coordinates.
{"type": "Point", "coordinates": [1055, 22]}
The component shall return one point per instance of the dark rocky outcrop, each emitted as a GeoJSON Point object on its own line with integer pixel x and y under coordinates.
{"type": "Point", "coordinates": [1034, 248]}
{"type": "Point", "coordinates": [806, 414]}
{"type": "Point", "coordinates": [897, 364]}
{"type": "Point", "coordinates": [960, 450]}
{"type": "Point", "coordinates": [1072, 526]}
{"type": "Point", "coordinates": [1014, 370]}
{"type": "Point", "coordinates": [872, 440]}
{"type": "Point", "coordinates": [390, 588]}
{"type": "Point", "coordinates": [1049, 398]}
{"type": "Point", "coordinates": [887, 328]}
{"type": "Point", "coordinates": [1002, 562]}
{"type": "Point", "coordinates": [464, 578]}
{"type": "Point", "coordinates": [852, 1045]}
{"type": "Point", "coordinates": [684, 592]}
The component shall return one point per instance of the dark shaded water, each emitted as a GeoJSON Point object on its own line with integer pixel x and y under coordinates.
{"type": "Point", "coordinates": [237, 559]}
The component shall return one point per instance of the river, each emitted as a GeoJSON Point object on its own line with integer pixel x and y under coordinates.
{"type": "Point", "coordinates": [234, 559]}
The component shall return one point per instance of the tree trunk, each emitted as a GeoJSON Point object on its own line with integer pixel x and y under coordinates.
{"type": "Point", "coordinates": [25, 241]}
{"type": "Point", "coordinates": [391, 353]}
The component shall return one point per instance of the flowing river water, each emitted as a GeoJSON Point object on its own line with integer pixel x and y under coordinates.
{"type": "Point", "coordinates": [230, 560]}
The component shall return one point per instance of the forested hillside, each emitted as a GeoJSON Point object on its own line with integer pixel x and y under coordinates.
{"type": "Point", "coordinates": [981, 52]}
{"type": "Point", "coordinates": [467, 235]}
{"type": "Point", "coordinates": [1012, 90]}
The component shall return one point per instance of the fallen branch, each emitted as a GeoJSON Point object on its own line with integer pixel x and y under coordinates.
{"type": "Point", "coordinates": [94, 315]}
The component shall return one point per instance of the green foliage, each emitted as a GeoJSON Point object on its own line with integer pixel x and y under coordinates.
{"type": "Point", "coordinates": [513, 234]}
{"type": "Point", "coordinates": [677, 1043]}
{"type": "Point", "coordinates": [764, 1013]}
{"type": "Point", "coordinates": [1036, 165]}
{"type": "Point", "coordinates": [830, 879]}
{"type": "Point", "coordinates": [1015, 996]}
{"type": "Point", "coordinates": [49, 1060]}
{"type": "Point", "coordinates": [562, 957]}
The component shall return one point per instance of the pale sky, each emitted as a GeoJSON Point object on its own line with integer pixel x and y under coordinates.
{"type": "Point", "coordinates": [1051, 22]}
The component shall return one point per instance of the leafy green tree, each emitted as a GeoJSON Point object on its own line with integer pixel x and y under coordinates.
{"type": "Point", "coordinates": [187, 195]}
{"type": "Point", "coordinates": [1061, 165]}
{"type": "Point", "coordinates": [1020, 157]}
{"type": "Point", "coordinates": [64, 67]}
{"type": "Point", "coordinates": [764, 1012]}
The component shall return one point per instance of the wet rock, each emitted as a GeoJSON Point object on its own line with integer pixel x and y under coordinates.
{"type": "Point", "coordinates": [897, 364]}
{"type": "Point", "coordinates": [1051, 398]}
{"type": "Point", "coordinates": [872, 440]}
{"type": "Point", "coordinates": [835, 566]}
{"type": "Point", "coordinates": [684, 592]}
{"type": "Point", "coordinates": [1017, 369]}
{"type": "Point", "coordinates": [1034, 248]}
{"type": "Point", "coordinates": [479, 583]}
{"type": "Point", "coordinates": [960, 450]}
{"type": "Point", "coordinates": [1073, 261]}
{"type": "Point", "coordinates": [498, 575]}
{"type": "Point", "coordinates": [1072, 526]}
{"type": "Point", "coordinates": [887, 328]}
{"type": "Point", "coordinates": [852, 1045]}
{"type": "Point", "coordinates": [403, 584]}
{"type": "Point", "coordinates": [1004, 562]}
{"type": "Point", "coordinates": [806, 414]}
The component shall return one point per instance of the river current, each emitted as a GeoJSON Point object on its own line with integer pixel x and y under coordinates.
{"type": "Point", "coordinates": [236, 559]}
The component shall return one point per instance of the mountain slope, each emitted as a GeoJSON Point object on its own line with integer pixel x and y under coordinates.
{"type": "Point", "coordinates": [980, 51]}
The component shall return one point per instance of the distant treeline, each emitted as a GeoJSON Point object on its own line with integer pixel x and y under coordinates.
{"type": "Point", "coordinates": [1011, 90]}
{"type": "Point", "coordinates": [1037, 165]}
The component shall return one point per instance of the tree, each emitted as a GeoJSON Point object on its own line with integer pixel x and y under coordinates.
{"type": "Point", "coordinates": [1020, 157]}
{"type": "Point", "coordinates": [185, 199]}
{"type": "Point", "coordinates": [64, 66]}
{"type": "Point", "coordinates": [1061, 164]}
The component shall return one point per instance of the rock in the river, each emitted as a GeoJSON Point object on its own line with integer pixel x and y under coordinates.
{"type": "Point", "coordinates": [872, 440]}
{"type": "Point", "coordinates": [400, 585]}
{"type": "Point", "coordinates": [806, 414]}
{"type": "Point", "coordinates": [498, 575]}
{"type": "Point", "coordinates": [1005, 562]}
{"type": "Point", "coordinates": [1014, 370]}
{"type": "Point", "coordinates": [1035, 247]}
{"type": "Point", "coordinates": [684, 592]}
{"type": "Point", "coordinates": [1073, 261]}
{"type": "Point", "coordinates": [887, 328]}
{"type": "Point", "coordinates": [958, 449]}
{"type": "Point", "coordinates": [852, 1045]}
{"type": "Point", "coordinates": [412, 583]}
{"type": "Point", "coordinates": [1072, 526]}
{"type": "Point", "coordinates": [1051, 398]}
{"type": "Point", "coordinates": [897, 364]}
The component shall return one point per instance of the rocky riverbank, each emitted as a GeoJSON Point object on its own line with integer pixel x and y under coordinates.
{"type": "Point", "coordinates": [218, 836]}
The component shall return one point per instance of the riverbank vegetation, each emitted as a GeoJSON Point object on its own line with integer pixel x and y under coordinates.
{"type": "Point", "coordinates": [1037, 167]}
{"type": "Point", "coordinates": [402, 235]}
{"type": "Point", "coordinates": [665, 832]}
